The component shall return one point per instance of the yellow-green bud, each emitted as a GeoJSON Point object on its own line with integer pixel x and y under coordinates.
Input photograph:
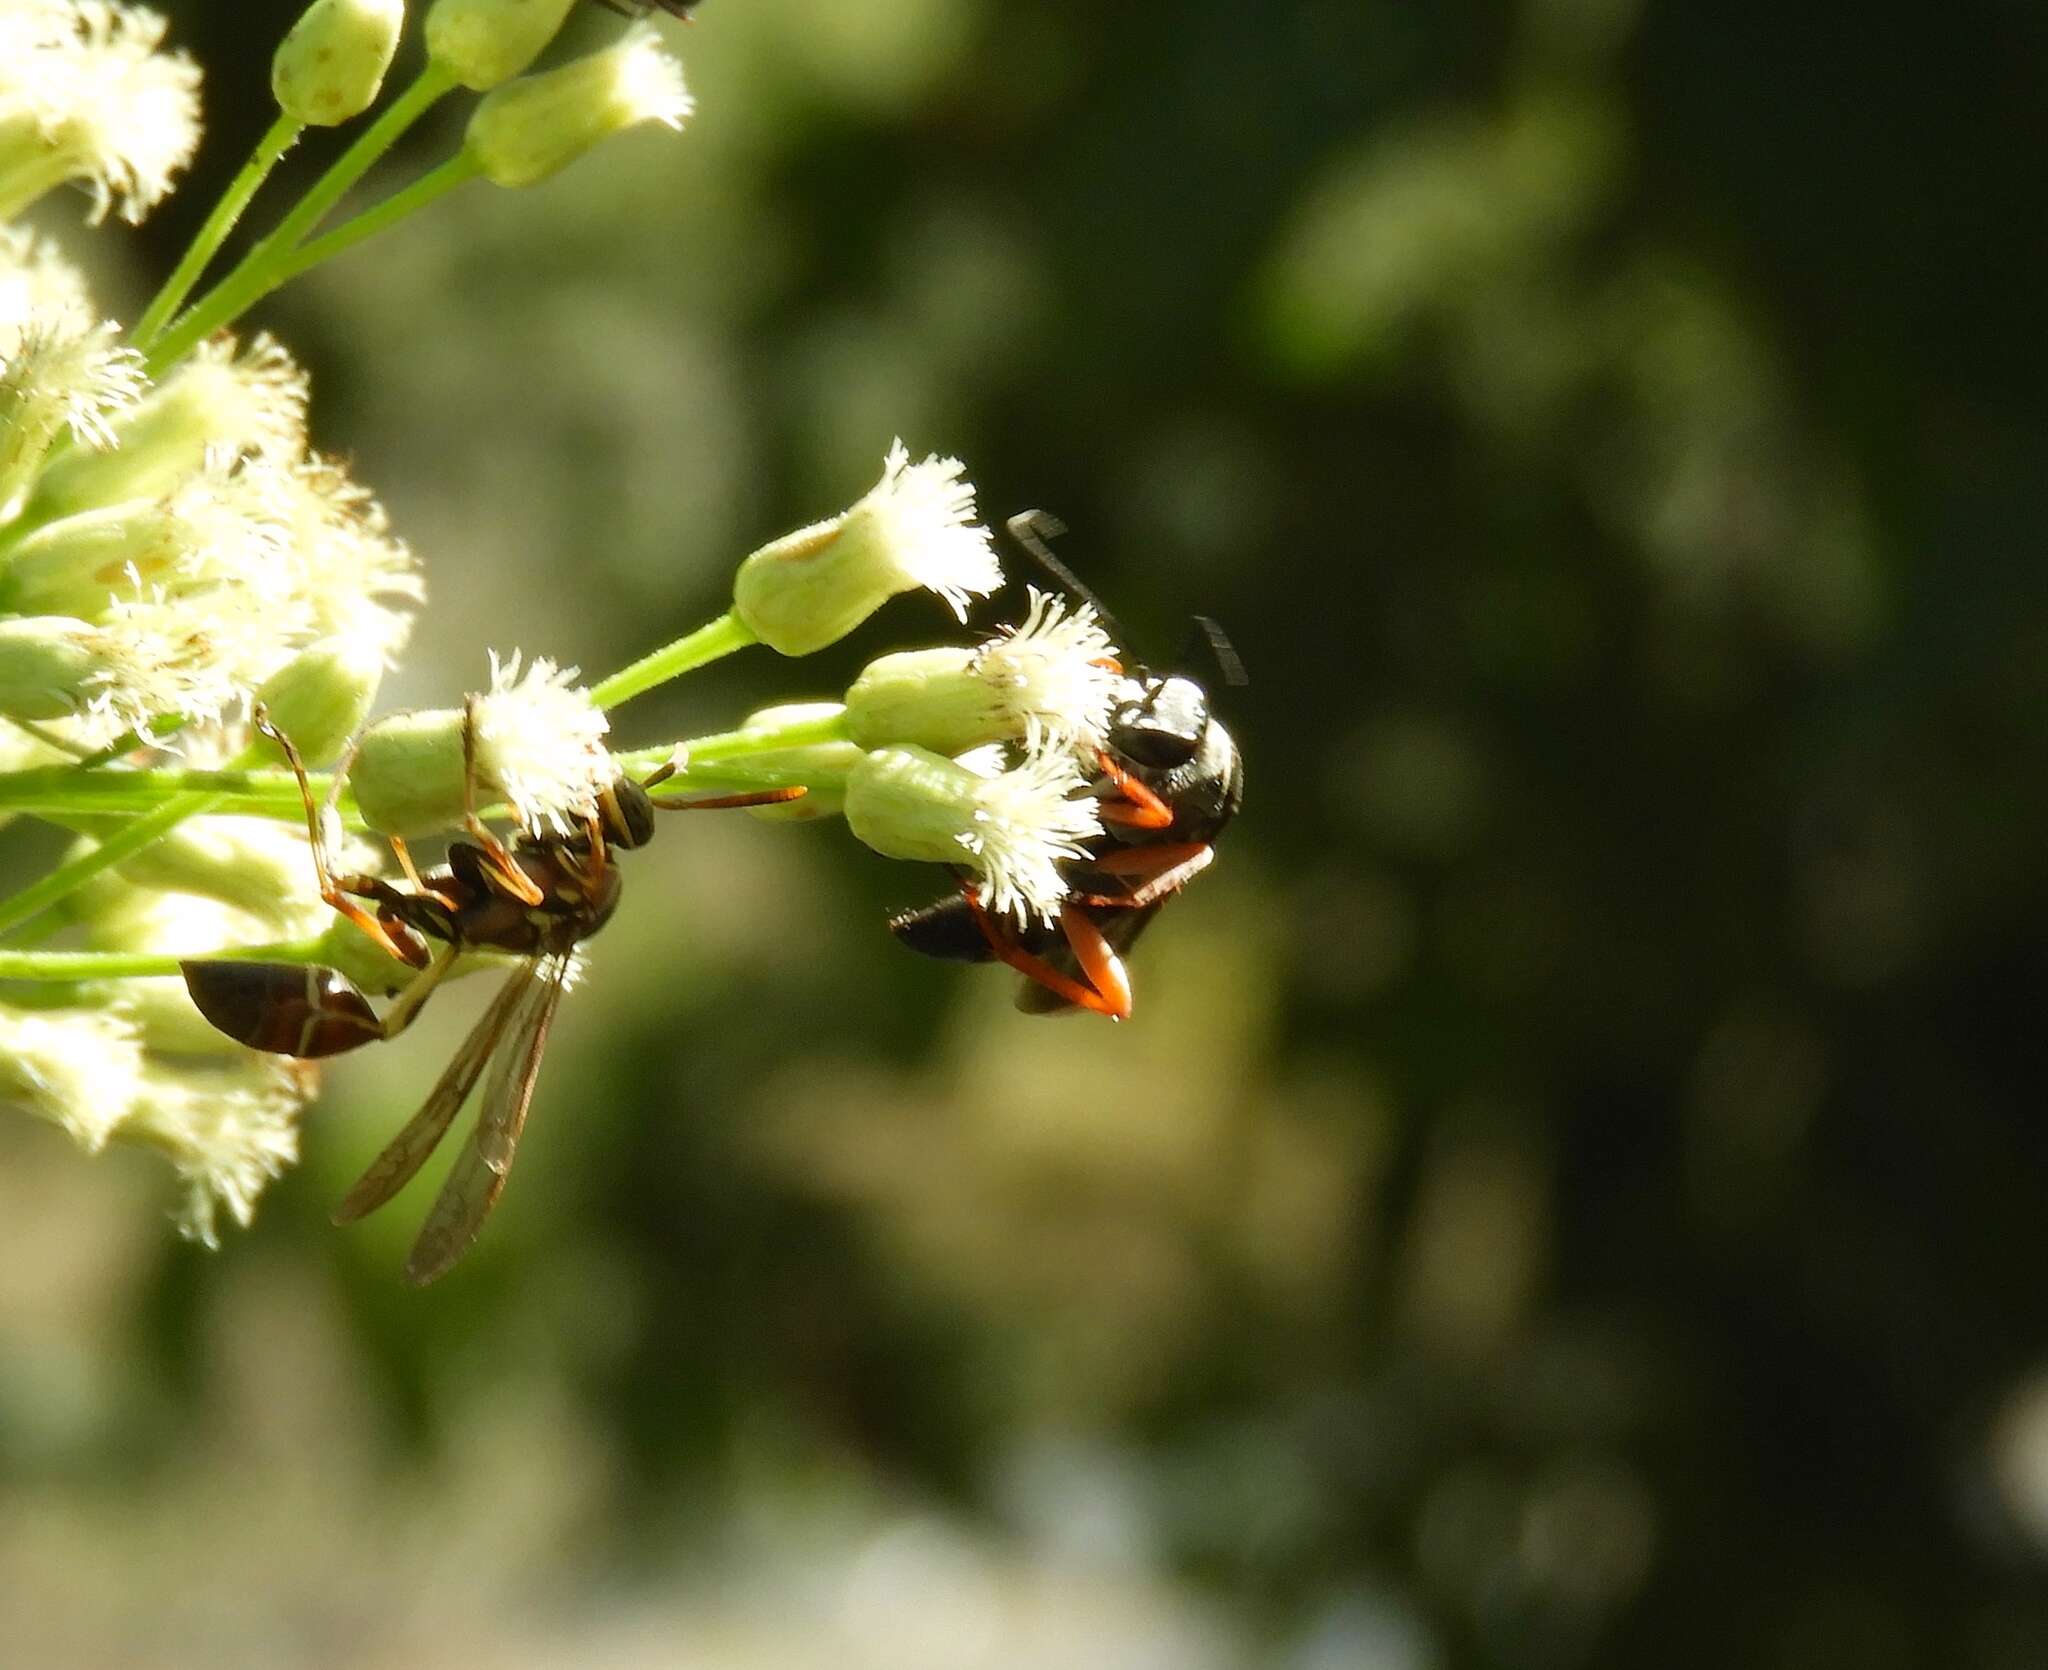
{"type": "Point", "coordinates": [822, 767]}
{"type": "Point", "coordinates": [258, 865]}
{"type": "Point", "coordinates": [47, 663]}
{"type": "Point", "coordinates": [407, 775]}
{"type": "Point", "coordinates": [329, 69]}
{"type": "Point", "coordinates": [482, 43]}
{"type": "Point", "coordinates": [913, 528]}
{"type": "Point", "coordinates": [929, 698]}
{"type": "Point", "coordinates": [321, 696]}
{"type": "Point", "coordinates": [1015, 828]}
{"type": "Point", "coordinates": [535, 127]}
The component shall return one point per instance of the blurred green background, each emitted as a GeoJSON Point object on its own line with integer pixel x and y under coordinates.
{"type": "Point", "coordinates": [1572, 1192]}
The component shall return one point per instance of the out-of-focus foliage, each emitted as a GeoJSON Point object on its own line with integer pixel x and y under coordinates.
{"type": "Point", "coordinates": [1571, 1193]}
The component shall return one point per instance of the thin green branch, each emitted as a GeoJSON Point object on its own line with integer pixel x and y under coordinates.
{"type": "Point", "coordinates": [710, 641]}
{"type": "Point", "coordinates": [417, 196]}
{"type": "Point", "coordinates": [280, 137]}
{"type": "Point", "coordinates": [268, 265]}
{"type": "Point", "coordinates": [123, 965]}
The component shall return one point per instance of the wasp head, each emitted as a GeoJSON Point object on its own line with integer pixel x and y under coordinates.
{"type": "Point", "coordinates": [1161, 722]}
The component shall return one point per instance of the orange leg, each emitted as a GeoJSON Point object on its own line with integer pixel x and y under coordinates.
{"type": "Point", "coordinates": [724, 802]}
{"type": "Point", "coordinates": [514, 882]}
{"type": "Point", "coordinates": [333, 892]}
{"type": "Point", "coordinates": [1037, 968]}
{"type": "Point", "coordinates": [1140, 808]}
{"type": "Point", "coordinates": [1099, 961]}
{"type": "Point", "coordinates": [1155, 871]}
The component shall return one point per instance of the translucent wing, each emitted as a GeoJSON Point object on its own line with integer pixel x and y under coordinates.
{"type": "Point", "coordinates": [408, 1151]}
{"type": "Point", "coordinates": [478, 1176]}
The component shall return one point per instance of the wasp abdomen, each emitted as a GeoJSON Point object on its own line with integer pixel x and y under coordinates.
{"type": "Point", "coordinates": [285, 1008]}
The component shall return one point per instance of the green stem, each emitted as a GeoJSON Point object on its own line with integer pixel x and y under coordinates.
{"type": "Point", "coordinates": [269, 264]}
{"type": "Point", "coordinates": [282, 135]}
{"type": "Point", "coordinates": [393, 209]}
{"type": "Point", "coordinates": [738, 745]}
{"type": "Point", "coordinates": [710, 641]}
{"type": "Point", "coordinates": [66, 791]}
{"type": "Point", "coordinates": [121, 965]}
{"type": "Point", "coordinates": [67, 879]}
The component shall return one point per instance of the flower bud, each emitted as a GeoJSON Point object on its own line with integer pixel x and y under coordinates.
{"type": "Point", "coordinates": [321, 696]}
{"type": "Point", "coordinates": [47, 666]}
{"type": "Point", "coordinates": [218, 406]}
{"type": "Point", "coordinates": [331, 66]}
{"type": "Point", "coordinates": [484, 42]}
{"type": "Point", "coordinates": [1014, 828]}
{"type": "Point", "coordinates": [535, 127]}
{"type": "Point", "coordinates": [914, 529]}
{"type": "Point", "coordinates": [538, 744]}
{"type": "Point", "coordinates": [257, 865]}
{"type": "Point", "coordinates": [407, 775]}
{"type": "Point", "coordinates": [822, 767]}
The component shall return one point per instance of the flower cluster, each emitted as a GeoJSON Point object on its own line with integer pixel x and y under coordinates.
{"type": "Point", "coordinates": [183, 581]}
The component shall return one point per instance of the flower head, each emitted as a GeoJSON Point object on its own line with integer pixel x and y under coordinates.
{"type": "Point", "coordinates": [86, 95]}
{"type": "Point", "coordinates": [529, 129]}
{"type": "Point", "coordinates": [1048, 683]}
{"type": "Point", "coordinates": [1015, 828]}
{"type": "Point", "coordinates": [484, 42]}
{"type": "Point", "coordinates": [79, 1069]}
{"type": "Point", "coordinates": [538, 743]}
{"type": "Point", "coordinates": [59, 373]}
{"type": "Point", "coordinates": [914, 529]}
{"type": "Point", "coordinates": [228, 1127]}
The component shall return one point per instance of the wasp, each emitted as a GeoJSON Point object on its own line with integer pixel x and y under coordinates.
{"type": "Point", "coordinates": [1169, 778]}
{"type": "Point", "coordinates": [680, 9]}
{"type": "Point", "coordinates": [536, 900]}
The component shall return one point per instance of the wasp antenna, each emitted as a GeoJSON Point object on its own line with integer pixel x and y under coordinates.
{"type": "Point", "coordinates": [1228, 662]}
{"type": "Point", "coordinates": [1032, 529]}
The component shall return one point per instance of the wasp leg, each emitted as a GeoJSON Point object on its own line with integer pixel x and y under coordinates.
{"type": "Point", "coordinates": [410, 1001]}
{"type": "Point", "coordinates": [332, 891]}
{"type": "Point", "coordinates": [1140, 808]}
{"type": "Point", "coordinates": [506, 875]}
{"type": "Point", "coordinates": [1155, 871]}
{"type": "Point", "coordinates": [724, 802]}
{"type": "Point", "coordinates": [1098, 960]}
{"type": "Point", "coordinates": [1037, 968]}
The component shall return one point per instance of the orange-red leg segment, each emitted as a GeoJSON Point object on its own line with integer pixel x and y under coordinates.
{"type": "Point", "coordinates": [1037, 968]}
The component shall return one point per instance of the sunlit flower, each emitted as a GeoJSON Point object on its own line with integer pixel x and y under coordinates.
{"type": "Point", "coordinates": [79, 1069]}
{"type": "Point", "coordinates": [59, 375]}
{"type": "Point", "coordinates": [529, 129]}
{"type": "Point", "coordinates": [86, 95]}
{"type": "Point", "coordinates": [915, 529]}
{"type": "Point", "coordinates": [1015, 829]}
{"type": "Point", "coordinates": [1047, 683]}
{"type": "Point", "coordinates": [229, 1127]}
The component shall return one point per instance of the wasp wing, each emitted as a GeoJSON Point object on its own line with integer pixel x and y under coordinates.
{"type": "Point", "coordinates": [408, 1151]}
{"type": "Point", "coordinates": [478, 1175]}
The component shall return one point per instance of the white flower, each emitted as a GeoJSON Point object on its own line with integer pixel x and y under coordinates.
{"type": "Point", "coordinates": [1048, 683]}
{"type": "Point", "coordinates": [37, 282]}
{"type": "Point", "coordinates": [228, 1127]}
{"type": "Point", "coordinates": [1015, 828]}
{"type": "Point", "coordinates": [86, 95]}
{"type": "Point", "coordinates": [80, 1069]}
{"type": "Point", "coordinates": [59, 374]}
{"type": "Point", "coordinates": [914, 529]}
{"type": "Point", "coordinates": [220, 406]}
{"type": "Point", "coordinates": [529, 129]}
{"type": "Point", "coordinates": [540, 742]}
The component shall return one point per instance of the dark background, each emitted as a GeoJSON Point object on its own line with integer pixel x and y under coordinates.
{"type": "Point", "coordinates": [1572, 1192]}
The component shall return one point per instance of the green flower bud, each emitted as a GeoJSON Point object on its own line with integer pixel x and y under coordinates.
{"type": "Point", "coordinates": [821, 766]}
{"type": "Point", "coordinates": [407, 775]}
{"type": "Point", "coordinates": [913, 529]}
{"type": "Point", "coordinates": [533, 128]}
{"type": "Point", "coordinates": [484, 42]}
{"type": "Point", "coordinates": [329, 69]}
{"type": "Point", "coordinates": [928, 698]}
{"type": "Point", "coordinates": [538, 743]}
{"type": "Point", "coordinates": [1015, 828]}
{"type": "Point", "coordinates": [47, 666]}
{"type": "Point", "coordinates": [257, 865]}
{"type": "Point", "coordinates": [219, 405]}
{"type": "Point", "coordinates": [321, 696]}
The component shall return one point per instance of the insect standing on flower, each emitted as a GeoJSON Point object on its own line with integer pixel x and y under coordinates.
{"type": "Point", "coordinates": [1169, 778]}
{"type": "Point", "coordinates": [537, 900]}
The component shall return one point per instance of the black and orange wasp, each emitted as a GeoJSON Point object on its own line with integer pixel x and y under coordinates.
{"type": "Point", "coordinates": [1169, 778]}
